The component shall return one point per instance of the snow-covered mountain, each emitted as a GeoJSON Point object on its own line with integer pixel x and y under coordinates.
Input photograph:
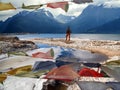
{"type": "Point", "coordinates": [94, 16]}
{"type": "Point", "coordinates": [40, 21]}
{"type": "Point", "coordinates": [64, 19]}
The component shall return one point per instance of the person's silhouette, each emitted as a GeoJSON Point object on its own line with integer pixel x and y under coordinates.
{"type": "Point", "coordinates": [68, 32]}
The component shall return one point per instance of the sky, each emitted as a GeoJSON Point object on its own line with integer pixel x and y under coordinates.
{"type": "Point", "coordinates": [29, 2]}
{"type": "Point", "coordinates": [74, 9]}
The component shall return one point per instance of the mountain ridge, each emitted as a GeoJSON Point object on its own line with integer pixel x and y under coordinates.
{"type": "Point", "coordinates": [38, 21]}
{"type": "Point", "coordinates": [94, 16]}
{"type": "Point", "coordinates": [43, 21]}
{"type": "Point", "coordinates": [107, 28]}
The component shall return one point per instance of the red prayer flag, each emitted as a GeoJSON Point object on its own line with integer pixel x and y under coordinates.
{"type": "Point", "coordinates": [64, 73]}
{"type": "Point", "coordinates": [47, 55]}
{"type": "Point", "coordinates": [89, 72]}
{"type": "Point", "coordinates": [63, 5]}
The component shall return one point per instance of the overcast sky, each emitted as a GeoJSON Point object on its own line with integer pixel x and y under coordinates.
{"type": "Point", "coordinates": [19, 2]}
{"type": "Point", "coordinates": [74, 9]}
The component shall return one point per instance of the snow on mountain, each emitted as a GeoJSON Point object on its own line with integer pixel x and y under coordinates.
{"type": "Point", "coordinates": [64, 19]}
{"type": "Point", "coordinates": [108, 3]}
{"type": "Point", "coordinates": [112, 4]}
{"type": "Point", "coordinates": [74, 11]}
{"type": "Point", "coordinates": [40, 21]}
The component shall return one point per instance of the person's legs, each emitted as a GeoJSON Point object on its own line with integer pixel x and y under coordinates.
{"type": "Point", "coordinates": [69, 37]}
{"type": "Point", "coordinates": [66, 37]}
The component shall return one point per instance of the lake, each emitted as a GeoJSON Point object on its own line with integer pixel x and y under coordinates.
{"type": "Point", "coordinates": [81, 36]}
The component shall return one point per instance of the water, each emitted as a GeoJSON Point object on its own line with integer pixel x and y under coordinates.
{"type": "Point", "coordinates": [81, 36]}
{"type": "Point", "coordinates": [41, 45]}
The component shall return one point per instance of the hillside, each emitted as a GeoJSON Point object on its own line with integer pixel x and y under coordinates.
{"type": "Point", "coordinates": [109, 28]}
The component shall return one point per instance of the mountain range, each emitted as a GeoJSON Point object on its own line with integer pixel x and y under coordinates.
{"type": "Point", "coordinates": [94, 16]}
{"type": "Point", "coordinates": [40, 21]}
{"type": "Point", "coordinates": [94, 19]}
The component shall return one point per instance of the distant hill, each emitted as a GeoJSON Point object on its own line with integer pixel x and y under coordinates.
{"type": "Point", "coordinates": [110, 28]}
{"type": "Point", "coordinates": [94, 16]}
{"type": "Point", "coordinates": [40, 21]}
{"type": "Point", "coordinates": [6, 6]}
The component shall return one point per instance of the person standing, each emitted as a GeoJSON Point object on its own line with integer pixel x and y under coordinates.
{"type": "Point", "coordinates": [68, 33]}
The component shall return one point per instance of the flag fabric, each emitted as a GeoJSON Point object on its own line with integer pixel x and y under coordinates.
{"type": "Point", "coordinates": [47, 55]}
{"type": "Point", "coordinates": [63, 5]}
{"type": "Point", "coordinates": [64, 73]}
{"type": "Point", "coordinates": [6, 6]}
{"type": "Point", "coordinates": [86, 72]}
{"type": "Point", "coordinates": [82, 1]}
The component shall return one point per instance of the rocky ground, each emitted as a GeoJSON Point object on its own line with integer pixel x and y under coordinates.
{"type": "Point", "coordinates": [13, 44]}
{"type": "Point", "coordinates": [110, 48]}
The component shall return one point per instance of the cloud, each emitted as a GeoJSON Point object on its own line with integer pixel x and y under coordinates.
{"type": "Point", "coordinates": [76, 9]}
{"type": "Point", "coordinates": [108, 3]}
{"type": "Point", "coordinates": [100, 1]}
{"type": "Point", "coordinates": [5, 14]}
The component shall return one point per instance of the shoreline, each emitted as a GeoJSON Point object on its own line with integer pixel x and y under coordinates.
{"type": "Point", "coordinates": [108, 47]}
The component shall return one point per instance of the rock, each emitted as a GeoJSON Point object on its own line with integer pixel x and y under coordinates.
{"type": "Point", "coordinates": [13, 44]}
{"type": "Point", "coordinates": [8, 39]}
